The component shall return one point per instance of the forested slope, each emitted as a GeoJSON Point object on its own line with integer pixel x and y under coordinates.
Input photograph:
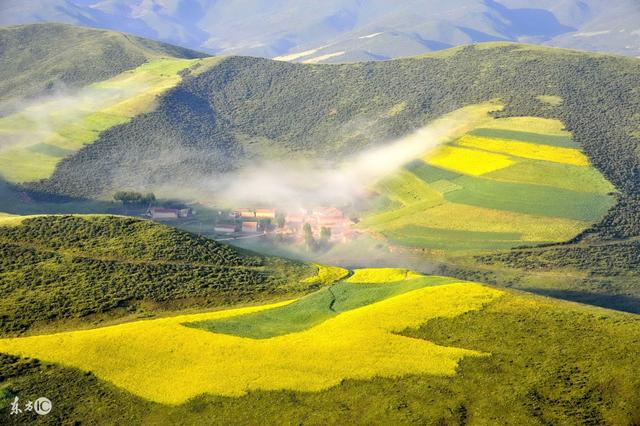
{"type": "Point", "coordinates": [63, 267]}
{"type": "Point", "coordinates": [40, 58]}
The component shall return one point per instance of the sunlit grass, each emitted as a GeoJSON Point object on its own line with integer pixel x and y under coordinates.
{"type": "Point", "coordinates": [327, 274]}
{"type": "Point", "coordinates": [381, 275]}
{"type": "Point", "coordinates": [72, 121]}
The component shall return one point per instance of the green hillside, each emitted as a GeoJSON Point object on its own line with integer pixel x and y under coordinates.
{"type": "Point", "coordinates": [57, 269]}
{"type": "Point", "coordinates": [235, 110]}
{"type": "Point", "coordinates": [547, 362]}
{"type": "Point", "coordinates": [246, 103]}
{"type": "Point", "coordinates": [37, 59]}
{"type": "Point", "coordinates": [41, 135]}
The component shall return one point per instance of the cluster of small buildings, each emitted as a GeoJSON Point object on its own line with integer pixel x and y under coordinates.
{"type": "Point", "coordinates": [318, 218]}
{"type": "Point", "coordinates": [254, 213]}
{"type": "Point", "coordinates": [289, 224]}
{"type": "Point", "coordinates": [247, 221]}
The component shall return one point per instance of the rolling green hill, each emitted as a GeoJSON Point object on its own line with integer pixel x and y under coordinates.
{"type": "Point", "coordinates": [42, 134]}
{"type": "Point", "coordinates": [91, 268]}
{"type": "Point", "coordinates": [120, 320]}
{"type": "Point", "coordinates": [37, 59]}
{"type": "Point", "coordinates": [545, 362]}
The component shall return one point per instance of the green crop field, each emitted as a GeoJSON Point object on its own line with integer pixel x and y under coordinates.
{"type": "Point", "coordinates": [314, 308]}
{"type": "Point", "coordinates": [530, 199]}
{"type": "Point", "coordinates": [506, 183]}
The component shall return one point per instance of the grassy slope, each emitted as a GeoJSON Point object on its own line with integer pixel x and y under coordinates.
{"type": "Point", "coordinates": [45, 133]}
{"type": "Point", "coordinates": [89, 268]}
{"type": "Point", "coordinates": [313, 110]}
{"type": "Point", "coordinates": [551, 362]}
{"type": "Point", "coordinates": [36, 58]}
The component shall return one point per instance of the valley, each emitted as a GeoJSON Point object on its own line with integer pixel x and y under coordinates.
{"type": "Point", "coordinates": [449, 238]}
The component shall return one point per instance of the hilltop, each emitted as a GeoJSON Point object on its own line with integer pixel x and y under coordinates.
{"type": "Point", "coordinates": [206, 117]}
{"type": "Point", "coordinates": [347, 30]}
{"type": "Point", "coordinates": [93, 268]}
{"type": "Point", "coordinates": [45, 58]}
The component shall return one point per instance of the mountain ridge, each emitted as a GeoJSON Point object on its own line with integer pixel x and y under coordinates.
{"type": "Point", "coordinates": [348, 30]}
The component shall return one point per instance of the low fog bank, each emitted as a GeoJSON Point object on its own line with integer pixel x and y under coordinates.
{"type": "Point", "coordinates": [38, 120]}
{"type": "Point", "coordinates": [346, 185]}
{"type": "Point", "coordinates": [300, 184]}
{"type": "Point", "coordinates": [365, 252]}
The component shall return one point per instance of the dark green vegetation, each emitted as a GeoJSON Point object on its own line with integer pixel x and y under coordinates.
{"type": "Point", "coordinates": [601, 273]}
{"type": "Point", "coordinates": [38, 59]}
{"type": "Point", "coordinates": [550, 363]}
{"type": "Point", "coordinates": [210, 118]}
{"type": "Point", "coordinates": [56, 268]}
{"type": "Point", "coordinates": [314, 308]}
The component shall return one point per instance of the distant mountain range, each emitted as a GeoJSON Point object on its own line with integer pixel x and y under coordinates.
{"type": "Point", "coordinates": [347, 30]}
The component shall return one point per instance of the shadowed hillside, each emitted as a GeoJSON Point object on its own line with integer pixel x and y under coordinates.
{"type": "Point", "coordinates": [98, 267]}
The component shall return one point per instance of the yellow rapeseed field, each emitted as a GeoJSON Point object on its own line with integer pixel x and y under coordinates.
{"type": "Point", "coordinates": [467, 161]}
{"type": "Point", "coordinates": [381, 275]}
{"type": "Point", "coordinates": [327, 274]}
{"type": "Point", "coordinates": [164, 361]}
{"type": "Point", "coordinates": [533, 151]}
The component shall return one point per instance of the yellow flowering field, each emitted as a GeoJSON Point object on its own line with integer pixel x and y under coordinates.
{"type": "Point", "coordinates": [164, 361]}
{"type": "Point", "coordinates": [327, 274]}
{"type": "Point", "coordinates": [381, 275]}
{"type": "Point", "coordinates": [467, 161]}
{"type": "Point", "coordinates": [533, 151]}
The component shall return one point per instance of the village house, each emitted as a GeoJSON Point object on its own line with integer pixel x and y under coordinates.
{"type": "Point", "coordinates": [266, 213]}
{"type": "Point", "coordinates": [161, 213]}
{"type": "Point", "coordinates": [225, 228]}
{"type": "Point", "coordinates": [250, 227]}
{"type": "Point", "coordinates": [245, 213]}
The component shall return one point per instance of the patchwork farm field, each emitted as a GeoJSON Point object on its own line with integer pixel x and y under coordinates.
{"type": "Point", "coordinates": [349, 334]}
{"type": "Point", "coordinates": [41, 134]}
{"type": "Point", "coordinates": [506, 183]}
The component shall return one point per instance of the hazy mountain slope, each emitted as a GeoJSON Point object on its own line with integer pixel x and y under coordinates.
{"type": "Point", "coordinates": [348, 29]}
{"type": "Point", "coordinates": [36, 59]}
{"type": "Point", "coordinates": [107, 267]}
